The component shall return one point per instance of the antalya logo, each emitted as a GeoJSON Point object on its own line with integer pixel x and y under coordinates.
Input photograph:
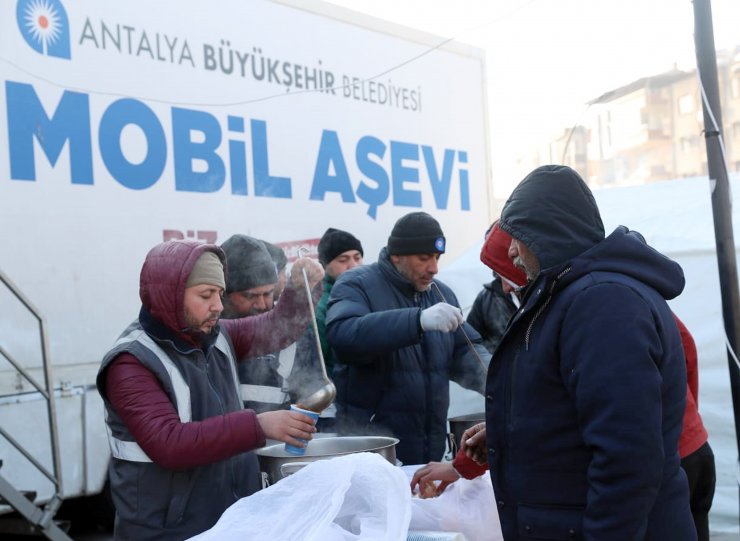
{"type": "Point", "coordinates": [44, 26]}
{"type": "Point", "coordinates": [439, 244]}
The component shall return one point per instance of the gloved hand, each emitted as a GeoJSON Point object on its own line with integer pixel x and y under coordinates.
{"type": "Point", "coordinates": [441, 317]}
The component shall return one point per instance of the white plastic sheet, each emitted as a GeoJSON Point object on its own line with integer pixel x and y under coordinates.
{"type": "Point", "coordinates": [352, 497]}
{"type": "Point", "coordinates": [466, 506]}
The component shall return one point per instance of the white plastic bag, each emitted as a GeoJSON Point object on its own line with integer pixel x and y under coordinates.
{"type": "Point", "coordinates": [352, 497]}
{"type": "Point", "coordinates": [466, 506]}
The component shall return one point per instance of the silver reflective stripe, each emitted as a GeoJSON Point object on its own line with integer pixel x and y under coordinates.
{"type": "Point", "coordinates": [262, 393]}
{"type": "Point", "coordinates": [130, 450]}
{"type": "Point", "coordinates": [125, 450]}
{"type": "Point", "coordinates": [181, 388]}
{"type": "Point", "coordinates": [223, 345]}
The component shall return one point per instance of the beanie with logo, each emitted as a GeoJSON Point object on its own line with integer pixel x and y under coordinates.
{"type": "Point", "coordinates": [416, 233]}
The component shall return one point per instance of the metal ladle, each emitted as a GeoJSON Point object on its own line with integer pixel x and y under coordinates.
{"type": "Point", "coordinates": [319, 400]}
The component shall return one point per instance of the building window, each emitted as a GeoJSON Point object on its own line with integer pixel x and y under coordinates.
{"type": "Point", "coordinates": [735, 87]}
{"type": "Point", "coordinates": [686, 104]}
{"type": "Point", "coordinates": [689, 143]}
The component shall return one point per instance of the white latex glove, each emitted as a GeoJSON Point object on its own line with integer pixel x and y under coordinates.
{"type": "Point", "coordinates": [441, 317]}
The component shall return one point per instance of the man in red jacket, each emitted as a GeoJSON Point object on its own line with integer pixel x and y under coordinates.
{"type": "Point", "coordinates": [179, 436]}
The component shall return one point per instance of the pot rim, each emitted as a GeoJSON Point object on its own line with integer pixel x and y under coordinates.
{"type": "Point", "coordinates": [468, 417]}
{"type": "Point", "coordinates": [373, 443]}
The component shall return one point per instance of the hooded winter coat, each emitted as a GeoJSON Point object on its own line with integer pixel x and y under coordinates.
{"type": "Point", "coordinates": [391, 377]}
{"type": "Point", "coordinates": [585, 394]}
{"type": "Point", "coordinates": [179, 435]}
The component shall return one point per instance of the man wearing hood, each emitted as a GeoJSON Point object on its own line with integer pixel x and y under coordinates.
{"type": "Point", "coordinates": [178, 434]}
{"type": "Point", "coordinates": [397, 340]}
{"type": "Point", "coordinates": [585, 394]}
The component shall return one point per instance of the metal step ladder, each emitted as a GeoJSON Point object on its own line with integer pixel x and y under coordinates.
{"type": "Point", "coordinates": [34, 518]}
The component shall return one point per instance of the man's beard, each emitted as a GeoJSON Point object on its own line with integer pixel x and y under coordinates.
{"type": "Point", "coordinates": [194, 327]}
{"type": "Point", "coordinates": [519, 264]}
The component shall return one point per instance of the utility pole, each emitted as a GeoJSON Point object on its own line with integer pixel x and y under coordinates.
{"type": "Point", "coordinates": [706, 62]}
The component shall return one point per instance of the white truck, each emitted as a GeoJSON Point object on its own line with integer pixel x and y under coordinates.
{"type": "Point", "coordinates": [125, 124]}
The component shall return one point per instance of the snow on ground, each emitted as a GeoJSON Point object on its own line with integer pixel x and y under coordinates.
{"type": "Point", "coordinates": [676, 218]}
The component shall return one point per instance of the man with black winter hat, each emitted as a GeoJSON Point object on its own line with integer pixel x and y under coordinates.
{"type": "Point", "coordinates": [586, 392]}
{"type": "Point", "coordinates": [339, 251]}
{"type": "Point", "coordinates": [397, 340]}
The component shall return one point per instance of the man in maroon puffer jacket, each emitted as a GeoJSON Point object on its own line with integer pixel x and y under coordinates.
{"type": "Point", "coordinates": [178, 434]}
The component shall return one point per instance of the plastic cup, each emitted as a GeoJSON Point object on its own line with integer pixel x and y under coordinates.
{"type": "Point", "coordinates": [292, 449]}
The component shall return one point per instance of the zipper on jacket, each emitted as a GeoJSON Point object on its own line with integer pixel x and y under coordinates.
{"type": "Point", "coordinates": [213, 388]}
{"type": "Point", "coordinates": [510, 391]}
{"type": "Point", "coordinates": [542, 308]}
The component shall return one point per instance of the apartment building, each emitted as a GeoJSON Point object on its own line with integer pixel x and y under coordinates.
{"type": "Point", "coordinates": [651, 129]}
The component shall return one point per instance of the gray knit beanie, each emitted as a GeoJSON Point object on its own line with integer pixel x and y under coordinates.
{"type": "Point", "coordinates": [248, 262]}
{"type": "Point", "coordinates": [277, 254]}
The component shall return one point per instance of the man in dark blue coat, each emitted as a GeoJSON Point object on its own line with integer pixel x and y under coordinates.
{"type": "Point", "coordinates": [585, 395]}
{"type": "Point", "coordinates": [398, 340]}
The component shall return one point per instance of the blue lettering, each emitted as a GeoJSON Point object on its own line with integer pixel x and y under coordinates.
{"type": "Point", "coordinates": [330, 156]}
{"type": "Point", "coordinates": [462, 157]}
{"type": "Point", "coordinates": [373, 196]}
{"type": "Point", "coordinates": [237, 158]}
{"type": "Point", "coordinates": [198, 167]}
{"type": "Point", "coordinates": [401, 174]}
{"type": "Point", "coordinates": [440, 183]}
{"type": "Point", "coordinates": [27, 120]}
{"type": "Point", "coordinates": [264, 184]}
{"type": "Point", "coordinates": [186, 151]}
{"type": "Point", "coordinates": [120, 114]}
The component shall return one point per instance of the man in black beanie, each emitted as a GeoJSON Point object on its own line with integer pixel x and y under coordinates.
{"type": "Point", "coordinates": [397, 340]}
{"type": "Point", "coordinates": [339, 251]}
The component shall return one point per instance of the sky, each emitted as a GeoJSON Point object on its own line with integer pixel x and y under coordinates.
{"type": "Point", "coordinates": [547, 58]}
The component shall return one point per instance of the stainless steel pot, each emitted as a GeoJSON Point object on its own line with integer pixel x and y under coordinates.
{"type": "Point", "coordinates": [276, 463]}
{"type": "Point", "coordinates": [460, 424]}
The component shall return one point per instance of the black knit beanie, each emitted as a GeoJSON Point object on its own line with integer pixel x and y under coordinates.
{"type": "Point", "coordinates": [277, 254]}
{"type": "Point", "coordinates": [335, 242]}
{"type": "Point", "coordinates": [248, 262]}
{"type": "Point", "coordinates": [416, 233]}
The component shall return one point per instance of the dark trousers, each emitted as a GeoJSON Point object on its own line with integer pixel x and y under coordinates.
{"type": "Point", "coordinates": [699, 468]}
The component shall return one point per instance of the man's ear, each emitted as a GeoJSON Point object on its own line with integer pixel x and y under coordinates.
{"type": "Point", "coordinates": [395, 259]}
